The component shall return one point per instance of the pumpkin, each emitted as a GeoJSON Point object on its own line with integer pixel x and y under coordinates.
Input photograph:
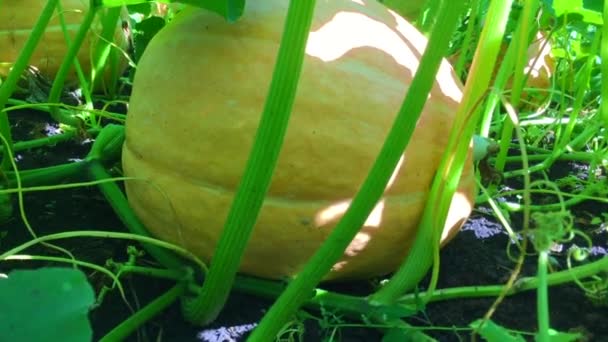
{"type": "Point", "coordinates": [18, 17]}
{"type": "Point", "coordinates": [197, 98]}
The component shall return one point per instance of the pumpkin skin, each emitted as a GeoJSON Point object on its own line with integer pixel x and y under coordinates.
{"type": "Point", "coordinates": [191, 125]}
{"type": "Point", "coordinates": [18, 17]}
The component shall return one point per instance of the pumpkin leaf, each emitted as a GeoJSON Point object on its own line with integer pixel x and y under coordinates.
{"type": "Point", "coordinates": [588, 11]}
{"type": "Point", "coordinates": [51, 302]}
{"type": "Point", "coordinates": [231, 10]}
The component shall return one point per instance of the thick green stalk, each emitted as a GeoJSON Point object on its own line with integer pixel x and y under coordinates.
{"type": "Point", "coordinates": [521, 43]}
{"type": "Point", "coordinates": [7, 88]}
{"type": "Point", "coordinates": [542, 297]}
{"type": "Point", "coordinates": [564, 133]}
{"type": "Point", "coordinates": [46, 141]}
{"type": "Point", "coordinates": [300, 289]}
{"type": "Point", "coordinates": [468, 41]}
{"type": "Point", "coordinates": [504, 73]}
{"type": "Point", "coordinates": [127, 327]}
{"type": "Point", "coordinates": [86, 93]}
{"type": "Point", "coordinates": [259, 169]}
{"type": "Point", "coordinates": [46, 175]}
{"type": "Point", "coordinates": [65, 66]}
{"type": "Point", "coordinates": [425, 250]}
{"type": "Point", "coordinates": [103, 56]}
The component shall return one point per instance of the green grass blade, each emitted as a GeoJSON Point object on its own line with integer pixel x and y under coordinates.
{"type": "Point", "coordinates": [259, 169]}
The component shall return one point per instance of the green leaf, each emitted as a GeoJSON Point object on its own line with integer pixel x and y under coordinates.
{"type": "Point", "coordinates": [47, 304]}
{"type": "Point", "coordinates": [577, 10]}
{"type": "Point", "coordinates": [493, 332]}
{"type": "Point", "coordinates": [594, 5]}
{"type": "Point", "coordinates": [143, 33]}
{"type": "Point", "coordinates": [231, 10]}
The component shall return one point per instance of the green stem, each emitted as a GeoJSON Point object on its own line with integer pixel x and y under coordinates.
{"type": "Point", "coordinates": [604, 69]}
{"type": "Point", "coordinates": [523, 284]}
{"type": "Point", "coordinates": [300, 289]}
{"type": "Point", "coordinates": [576, 199]}
{"type": "Point", "coordinates": [542, 298]}
{"type": "Point", "coordinates": [590, 131]}
{"type": "Point", "coordinates": [564, 134]}
{"type": "Point", "coordinates": [570, 156]}
{"type": "Point", "coordinates": [468, 41]}
{"type": "Point", "coordinates": [77, 67]}
{"type": "Point", "coordinates": [47, 141]}
{"type": "Point", "coordinates": [119, 203]}
{"type": "Point", "coordinates": [517, 50]}
{"type": "Point", "coordinates": [259, 169]}
{"type": "Point", "coordinates": [8, 86]}
{"type": "Point", "coordinates": [46, 175]}
{"type": "Point", "coordinates": [422, 253]}
{"type": "Point", "coordinates": [162, 273]}
{"type": "Point", "coordinates": [66, 64]}
{"type": "Point", "coordinates": [127, 327]}
{"type": "Point", "coordinates": [103, 56]}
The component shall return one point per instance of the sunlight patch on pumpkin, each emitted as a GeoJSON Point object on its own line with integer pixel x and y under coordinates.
{"type": "Point", "coordinates": [338, 266]}
{"type": "Point", "coordinates": [358, 244]}
{"type": "Point", "coordinates": [445, 78]}
{"type": "Point", "coordinates": [334, 212]}
{"type": "Point", "coordinates": [349, 30]}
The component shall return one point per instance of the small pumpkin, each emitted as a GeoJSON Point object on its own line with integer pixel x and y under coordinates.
{"type": "Point", "coordinates": [18, 17]}
{"type": "Point", "coordinates": [198, 94]}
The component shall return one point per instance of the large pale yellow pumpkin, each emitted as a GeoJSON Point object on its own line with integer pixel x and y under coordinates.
{"type": "Point", "coordinates": [18, 17]}
{"type": "Point", "coordinates": [197, 98]}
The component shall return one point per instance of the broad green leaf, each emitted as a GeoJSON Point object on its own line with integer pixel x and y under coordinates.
{"type": "Point", "coordinates": [143, 33]}
{"type": "Point", "coordinates": [594, 5]}
{"type": "Point", "coordinates": [577, 10]}
{"type": "Point", "coordinates": [231, 10]}
{"type": "Point", "coordinates": [47, 304]}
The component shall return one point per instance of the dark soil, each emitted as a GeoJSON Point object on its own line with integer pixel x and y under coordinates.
{"type": "Point", "coordinates": [475, 257]}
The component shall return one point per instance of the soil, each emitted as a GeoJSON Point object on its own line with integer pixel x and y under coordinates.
{"type": "Point", "coordinates": [475, 257]}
